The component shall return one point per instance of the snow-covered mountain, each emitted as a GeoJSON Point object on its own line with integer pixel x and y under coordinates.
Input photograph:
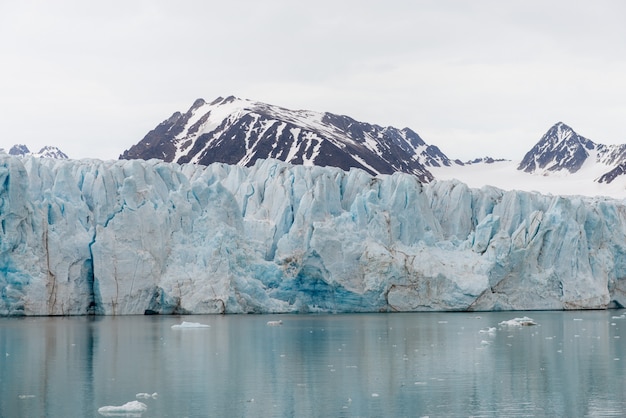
{"type": "Point", "coordinates": [237, 131]}
{"type": "Point", "coordinates": [21, 150]}
{"type": "Point", "coordinates": [561, 148]}
{"type": "Point", "coordinates": [561, 163]}
{"type": "Point", "coordinates": [132, 237]}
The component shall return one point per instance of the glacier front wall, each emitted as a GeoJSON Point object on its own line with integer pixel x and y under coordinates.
{"type": "Point", "coordinates": [134, 237]}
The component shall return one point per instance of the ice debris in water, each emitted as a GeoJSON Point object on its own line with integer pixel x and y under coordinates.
{"type": "Point", "coordinates": [145, 395]}
{"type": "Point", "coordinates": [130, 408]}
{"type": "Point", "coordinates": [274, 323]}
{"type": "Point", "coordinates": [490, 331]}
{"type": "Point", "coordinates": [186, 324]}
{"type": "Point", "coordinates": [518, 322]}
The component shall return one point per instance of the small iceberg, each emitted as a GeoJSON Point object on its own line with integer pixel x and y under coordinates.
{"type": "Point", "coordinates": [146, 395]}
{"type": "Point", "coordinates": [490, 331]}
{"type": "Point", "coordinates": [518, 322]}
{"type": "Point", "coordinates": [129, 409]}
{"type": "Point", "coordinates": [274, 323]}
{"type": "Point", "coordinates": [186, 325]}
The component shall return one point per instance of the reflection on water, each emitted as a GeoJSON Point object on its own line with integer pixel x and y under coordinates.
{"type": "Point", "coordinates": [365, 365]}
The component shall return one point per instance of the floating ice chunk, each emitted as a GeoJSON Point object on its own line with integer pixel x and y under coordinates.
{"type": "Point", "coordinates": [132, 408]}
{"type": "Point", "coordinates": [274, 323]}
{"type": "Point", "coordinates": [490, 331]}
{"type": "Point", "coordinates": [484, 343]}
{"type": "Point", "coordinates": [185, 325]}
{"type": "Point", "coordinates": [146, 395]}
{"type": "Point", "coordinates": [518, 322]}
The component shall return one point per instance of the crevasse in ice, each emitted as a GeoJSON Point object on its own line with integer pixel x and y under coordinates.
{"type": "Point", "coordinates": [132, 237]}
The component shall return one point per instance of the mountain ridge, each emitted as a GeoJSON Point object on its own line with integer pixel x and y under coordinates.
{"type": "Point", "coordinates": [237, 131]}
{"type": "Point", "coordinates": [48, 151]}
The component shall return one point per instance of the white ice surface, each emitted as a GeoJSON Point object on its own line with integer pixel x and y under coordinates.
{"type": "Point", "coordinates": [504, 175]}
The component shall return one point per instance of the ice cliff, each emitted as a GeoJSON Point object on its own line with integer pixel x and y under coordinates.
{"type": "Point", "coordinates": [135, 237]}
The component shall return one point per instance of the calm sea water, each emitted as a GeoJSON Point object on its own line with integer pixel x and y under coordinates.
{"type": "Point", "coordinates": [572, 364]}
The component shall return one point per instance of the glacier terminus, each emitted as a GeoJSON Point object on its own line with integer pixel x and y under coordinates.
{"type": "Point", "coordinates": [124, 237]}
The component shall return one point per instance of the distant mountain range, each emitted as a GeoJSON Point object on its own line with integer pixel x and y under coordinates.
{"type": "Point", "coordinates": [237, 131]}
{"type": "Point", "coordinates": [21, 150]}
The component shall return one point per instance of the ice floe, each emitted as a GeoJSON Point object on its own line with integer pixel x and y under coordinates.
{"type": "Point", "coordinates": [274, 323]}
{"type": "Point", "coordinates": [130, 409]}
{"type": "Point", "coordinates": [490, 331]}
{"type": "Point", "coordinates": [185, 325]}
{"type": "Point", "coordinates": [518, 322]}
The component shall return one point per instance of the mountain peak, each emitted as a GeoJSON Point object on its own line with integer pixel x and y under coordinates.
{"type": "Point", "coordinates": [51, 152]}
{"type": "Point", "coordinates": [561, 148]}
{"type": "Point", "coordinates": [21, 150]}
{"type": "Point", "coordinates": [562, 126]}
{"type": "Point", "coordinates": [198, 103]}
{"type": "Point", "coordinates": [560, 132]}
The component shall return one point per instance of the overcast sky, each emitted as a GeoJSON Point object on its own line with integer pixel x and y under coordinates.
{"type": "Point", "coordinates": [472, 77]}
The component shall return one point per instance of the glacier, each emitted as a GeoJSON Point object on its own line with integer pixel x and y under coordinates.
{"type": "Point", "coordinates": [81, 237]}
